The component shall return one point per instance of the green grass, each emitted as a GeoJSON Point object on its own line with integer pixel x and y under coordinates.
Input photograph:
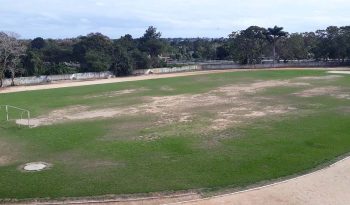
{"type": "Point", "coordinates": [103, 156]}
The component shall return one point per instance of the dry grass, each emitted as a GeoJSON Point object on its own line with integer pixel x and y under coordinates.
{"type": "Point", "coordinates": [230, 104]}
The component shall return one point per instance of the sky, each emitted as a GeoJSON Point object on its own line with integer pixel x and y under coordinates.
{"type": "Point", "coordinates": [173, 18]}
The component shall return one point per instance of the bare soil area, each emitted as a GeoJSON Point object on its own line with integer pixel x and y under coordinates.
{"type": "Point", "coordinates": [232, 106]}
{"type": "Point", "coordinates": [332, 91]}
{"type": "Point", "coordinates": [327, 77]}
{"type": "Point", "coordinates": [8, 153]}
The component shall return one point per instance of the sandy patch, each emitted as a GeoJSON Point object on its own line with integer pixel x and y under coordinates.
{"type": "Point", "coordinates": [53, 117]}
{"type": "Point", "coordinates": [4, 160]}
{"type": "Point", "coordinates": [112, 94]}
{"type": "Point", "coordinates": [76, 113]}
{"type": "Point", "coordinates": [230, 101]}
{"type": "Point", "coordinates": [234, 90]}
{"type": "Point", "coordinates": [327, 77]}
{"type": "Point", "coordinates": [253, 109]}
{"type": "Point", "coordinates": [166, 88]}
{"type": "Point", "coordinates": [8, 153]}
{"type": "Point", "coordinates": [332, 91]}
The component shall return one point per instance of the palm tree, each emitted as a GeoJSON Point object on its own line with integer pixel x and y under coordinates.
{"type": "Point", "coordinates": [273, 35]}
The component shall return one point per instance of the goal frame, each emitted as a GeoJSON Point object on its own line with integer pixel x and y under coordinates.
{"type": "Point", "coordinates": [23, 112]}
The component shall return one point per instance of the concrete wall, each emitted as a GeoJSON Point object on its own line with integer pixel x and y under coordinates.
{"type": "Point", "coordinates": [50, 78]}
{"type": "Point", "coordinates": [269, 65]}
{"type": "Point", "coordinates": [209, 66]}
{"type": "Point", "coordinates": [88, 76]}
{"type": "Point", "coordinates": [167, 70]}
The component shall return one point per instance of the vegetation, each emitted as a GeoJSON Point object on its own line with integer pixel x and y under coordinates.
{"type": "Point", "coordinates": [97, 52]}
{"type": "Point", "coordinates": [136, 154]}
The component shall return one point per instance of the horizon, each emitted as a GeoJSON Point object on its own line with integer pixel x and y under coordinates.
{"type": "Point", "coordinates": [174, 18]}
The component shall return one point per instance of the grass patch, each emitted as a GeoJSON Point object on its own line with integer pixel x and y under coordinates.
{"type": "Point", "coordinates": [106, 156]}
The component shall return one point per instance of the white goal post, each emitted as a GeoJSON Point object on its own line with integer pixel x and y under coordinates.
{"type": "Point", "coordinates": [23, 113]}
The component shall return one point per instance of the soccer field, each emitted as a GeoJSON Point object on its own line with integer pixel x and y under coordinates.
{"type": "Point", "coordinates": [203, 132]}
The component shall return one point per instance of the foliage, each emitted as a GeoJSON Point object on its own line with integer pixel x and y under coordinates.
{"type": "Point", "coordinates": [122, 64]}
{"type": "Point", "coordinates": [96, 52]}
{"type": "Point", "coordinates": [37, 43]}
{"type": "Point", "coordinates": [11, 52]}
{"type": "Point", "coordinates": [248, 46]}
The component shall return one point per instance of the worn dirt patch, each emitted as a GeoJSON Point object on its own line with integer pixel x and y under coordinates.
{"type": "Point", "coordinates": [4, 160]}
{"type": "Point", "coordinates": [234, 90]}
{"type": "Point", "coordinates": [229, 101]}
{"type": "Point", "coordinates": [250, 110]}
{"type": "Point", "coordinates": [116, 93]}
{"type": "Point", "coordinates": [327, 77]}
{"type": "Point", "coordinates": [75, 113]}
{"type": "Point", "coordinates": [77, 160]}
{"type": "Point", "coordinates": [166, 88]}
{"type": "Point", "coordinates": [8, 153]}
{"type": "Point", "coordinates": [332, 91]}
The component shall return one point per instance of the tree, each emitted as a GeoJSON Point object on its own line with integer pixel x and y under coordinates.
{"type": "Point", "coordinates": [222, 52]}
{"type": "Point", "coordinates": [11, 50]}
{"type": "Point", "coordinates": [310, 40]}
{"type": "Point", "coordinates": [13, 68]}
{"type": "Point", "coordinates": [37, 43]}
{"type": "Point", "coordinates": [141, 60]}
{"type": "Point", "coordinates": [93, 52]}
{"type": "Point", "coordinates": [127, 42]}
{"type": "Point", "coordinates": [33, 63]}
{"type": "Point", "coordinates": [248, 46]}
{"type": "Point", "coordinates": [292, 48]}
{"type": "Point", "coordinates": [273, 35]}
{"type": "Point", "coordinates": [345, 35]}
{"type": "Point", "coordinates": [15, 60]}
{"type": "Point", "coordinates": [97, 61]}
{"type": "Point", "coordinates": [152, 44]}
{"type": "Point", "coordinates": [122, 64]}
{"type": "Point", "coordinates": [150, 34]}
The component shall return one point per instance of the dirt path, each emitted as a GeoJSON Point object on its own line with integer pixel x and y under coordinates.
{"type": "Point", "coordinates": [329, 186]}
{"type": "Point", "coordinates": [63, 84]}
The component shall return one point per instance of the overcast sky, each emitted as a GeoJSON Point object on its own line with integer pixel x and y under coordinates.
{"type": "Point", "coordinates": [174, 18]}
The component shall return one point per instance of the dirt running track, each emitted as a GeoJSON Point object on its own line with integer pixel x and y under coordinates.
{"type": "Point", "coordinates": [64, 84]}
{"type": "Point", "coordinates": [329, 186]}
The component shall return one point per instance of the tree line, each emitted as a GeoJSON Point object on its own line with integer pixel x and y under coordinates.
{"type": "Point", "coordinates": [96, 52]}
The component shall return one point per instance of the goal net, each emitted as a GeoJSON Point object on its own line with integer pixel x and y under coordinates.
{"type": "Point", "coordinates": [11, 113]}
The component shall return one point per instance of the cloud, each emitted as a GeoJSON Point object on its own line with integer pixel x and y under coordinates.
{"type": "Point", "coordinates": [174, 18]}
